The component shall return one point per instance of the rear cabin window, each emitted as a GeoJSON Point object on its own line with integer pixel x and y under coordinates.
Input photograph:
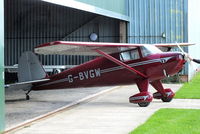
{"type": "Point", "coordinates": [129, 55]}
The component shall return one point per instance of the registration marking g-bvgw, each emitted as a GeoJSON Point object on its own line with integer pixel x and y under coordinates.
{"type": "Point", "coordinates": [88, 74]}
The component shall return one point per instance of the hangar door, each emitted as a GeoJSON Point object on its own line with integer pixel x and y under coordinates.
{"type": "Point", "coordinates": [29, 23]}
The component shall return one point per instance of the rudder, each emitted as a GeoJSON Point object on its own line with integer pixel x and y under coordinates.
{"type": "Point", "coordinates": [29, 68]}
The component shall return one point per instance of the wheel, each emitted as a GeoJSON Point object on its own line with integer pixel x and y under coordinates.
{"type": "Point", "coordinates": [143, 104]}
{"type": "Point", "coordinates": [27, 97]}
{"type": "Point", "coordinates": [166, 99]}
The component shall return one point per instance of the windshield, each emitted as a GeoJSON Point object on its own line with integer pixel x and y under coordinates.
{"type": "Point", "coordinates": [149, 49]}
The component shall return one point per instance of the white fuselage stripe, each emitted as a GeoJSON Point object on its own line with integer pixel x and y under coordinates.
{"type": "Point", "coordinates": [131, 65]}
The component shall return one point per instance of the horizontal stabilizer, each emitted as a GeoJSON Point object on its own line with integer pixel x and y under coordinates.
{"type": "Point", "coordinates": [23, 85]}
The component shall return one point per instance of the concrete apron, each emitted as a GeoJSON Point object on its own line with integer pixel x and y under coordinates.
{"type": "Point", "coordinates": [110, 113]}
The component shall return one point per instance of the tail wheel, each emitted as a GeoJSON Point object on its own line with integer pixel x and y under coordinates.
{"type": "Point", "coordinates": [166, 99]}
{"type": "Point", "coordinates": [27, 97]}
{"type": "Point", "coordinates": [143, 104]}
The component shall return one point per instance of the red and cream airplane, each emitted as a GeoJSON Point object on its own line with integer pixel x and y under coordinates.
{"type": "Point", "coordinates": [116, 64]}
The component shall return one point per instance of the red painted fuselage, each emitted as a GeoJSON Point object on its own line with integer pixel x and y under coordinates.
{"type": "Point", "coordinates": [103, 72]}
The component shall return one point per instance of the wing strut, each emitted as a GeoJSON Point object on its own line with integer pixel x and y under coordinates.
{"type": "Point", "coordinates": [120, 63]}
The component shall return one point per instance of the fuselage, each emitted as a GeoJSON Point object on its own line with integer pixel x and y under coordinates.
{"type": "Point", "coordinates": [103, 72]}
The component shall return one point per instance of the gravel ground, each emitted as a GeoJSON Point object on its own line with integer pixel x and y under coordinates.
{"type": "Point", "coordinates": [18, 109]}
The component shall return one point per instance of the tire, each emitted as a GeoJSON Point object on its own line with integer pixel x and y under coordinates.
{"type": "Point", "coordinates": [166, 99]}
{"type": "Point", "coordinates": [143, 104]}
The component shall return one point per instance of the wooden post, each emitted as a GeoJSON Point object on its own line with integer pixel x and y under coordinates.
{"type": "Point", "coordinates": [122, 32]}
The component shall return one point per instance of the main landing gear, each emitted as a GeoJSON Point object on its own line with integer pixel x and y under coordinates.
{"type": "Point", "coordinates": [144, 98]}
{"type": "Point", "coordinates": [166, 95]}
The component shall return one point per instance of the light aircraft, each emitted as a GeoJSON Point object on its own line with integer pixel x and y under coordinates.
{"type": "Point", "coordinates": [116, 64]}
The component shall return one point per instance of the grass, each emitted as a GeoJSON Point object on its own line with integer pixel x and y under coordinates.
{"type": "Point", "coordinates": [190, 90]}
{"type": "Point", "coordinates": [171, 121]}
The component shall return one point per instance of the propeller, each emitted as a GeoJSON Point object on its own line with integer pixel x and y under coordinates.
{"type": "Point", "coordinates": [186, 56]}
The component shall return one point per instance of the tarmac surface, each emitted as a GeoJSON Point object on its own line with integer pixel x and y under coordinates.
{"type": "Point", "coordinates": [107, 113]}
{"type": "Point", "coordinates": [18, 109]}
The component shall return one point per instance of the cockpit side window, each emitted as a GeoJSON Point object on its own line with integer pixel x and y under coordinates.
{"type": "Point", "coordinates": [129, 55]}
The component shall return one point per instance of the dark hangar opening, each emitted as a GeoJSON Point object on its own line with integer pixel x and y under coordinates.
{"type": "Point", "coordinates": [29, 23]}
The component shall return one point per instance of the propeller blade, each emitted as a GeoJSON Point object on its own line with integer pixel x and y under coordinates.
{"type": "Point", "coordinates": [186, 55]}
{"type": "Point", "coordinates": [180, 48]}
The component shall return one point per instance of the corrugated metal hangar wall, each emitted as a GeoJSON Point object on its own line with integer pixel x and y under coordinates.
{"type": "Point", "coordinates": [158, 21]}
{"type": "Point", "coordinates": [29, 23]}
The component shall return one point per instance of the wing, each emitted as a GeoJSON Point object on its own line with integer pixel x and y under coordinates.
{"type": "Point", "coordinates": [87, 48]}
{"type": "Point", "coordinates": [82, 48]}
{"type": "Point", "coordinates": [93, 48]}
{"type": "Point", "coordinates": [167, 47]}
{"type": "Point", "coordinates": [173, 44]}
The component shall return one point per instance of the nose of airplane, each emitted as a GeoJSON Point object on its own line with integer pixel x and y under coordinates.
{"type": "Point", "coordinates": [181, 60]}
{"type": "Point", "coordinates": [185, 57]}
{"type": "Point", "coordinates": [181, 56]}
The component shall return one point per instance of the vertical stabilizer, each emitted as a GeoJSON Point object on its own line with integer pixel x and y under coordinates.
{"type": "Point", "coordinates": [29, 68]}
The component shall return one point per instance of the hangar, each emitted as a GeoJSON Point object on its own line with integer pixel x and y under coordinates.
{"type": "Point", "coordinates": [27, 23]}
